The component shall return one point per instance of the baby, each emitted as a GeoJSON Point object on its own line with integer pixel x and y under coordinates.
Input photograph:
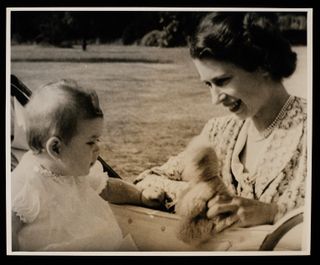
{"type": "Point", "coordinates": [56, 204]}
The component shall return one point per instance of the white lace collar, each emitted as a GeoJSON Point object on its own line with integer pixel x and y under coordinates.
{"type": "Point", "coordinates": [55, 177]}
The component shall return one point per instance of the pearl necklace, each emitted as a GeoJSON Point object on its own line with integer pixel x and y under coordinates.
{"type": "Point", "coordinates": [266, 132]}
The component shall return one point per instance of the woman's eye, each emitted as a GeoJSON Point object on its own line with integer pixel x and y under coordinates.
{"type": "Point", "coordinates": [222, 81]}
{"type": "Point", "coordinates": [90, 143]}
{"type": "Point", "coordinates": [208, 84]}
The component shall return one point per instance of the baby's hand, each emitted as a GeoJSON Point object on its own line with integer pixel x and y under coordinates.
{"type": "Point", "coordinates": [153, 197]}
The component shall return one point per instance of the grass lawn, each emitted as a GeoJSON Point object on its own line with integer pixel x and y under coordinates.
{"type": "Point", "coordinates": [152, 97]}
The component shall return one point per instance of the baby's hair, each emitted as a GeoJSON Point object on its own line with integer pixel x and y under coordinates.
{"type": "Point", "coordinates": [55, 109]}
{"type": "Point", "coordinates": [249, 40]}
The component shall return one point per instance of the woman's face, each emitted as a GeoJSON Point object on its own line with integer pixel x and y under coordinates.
{"type": "Point", "coordinates": [243, 93]}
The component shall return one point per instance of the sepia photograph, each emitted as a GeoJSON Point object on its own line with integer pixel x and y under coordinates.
{"type": "Point", "coordinates": [158, 131]}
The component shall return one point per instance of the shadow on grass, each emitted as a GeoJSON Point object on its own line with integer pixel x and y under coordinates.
{"type": "Point", "coordinates": [90, 60]}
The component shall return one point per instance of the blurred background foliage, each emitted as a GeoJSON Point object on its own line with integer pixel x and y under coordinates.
{"type": "Point", "coordinates": [148, 28]}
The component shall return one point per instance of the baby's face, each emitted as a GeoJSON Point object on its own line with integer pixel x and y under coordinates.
{"type": "Point", "coordinates": [83, 149]}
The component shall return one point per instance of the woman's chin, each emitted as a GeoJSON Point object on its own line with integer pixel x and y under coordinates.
{"type": "Point", "coordinates": [241, 114]}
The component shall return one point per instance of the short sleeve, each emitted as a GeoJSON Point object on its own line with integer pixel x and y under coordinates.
{"type": "Point", "coordinates": [97, 178]}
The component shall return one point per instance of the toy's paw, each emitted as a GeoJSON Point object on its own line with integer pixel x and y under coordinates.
{"type": "Point", "coordinates": [195, 231]}
{"type": "Point", "coordinates": [194, 201]}
{"type": "Point", "coordinates": [190, 205]}
{"type": "Point", "coordinates": [153, 196]}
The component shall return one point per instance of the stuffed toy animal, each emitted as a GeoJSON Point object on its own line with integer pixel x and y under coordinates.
{"type": "Point", "coordinates": [188, 195]}
{"type": "Point", "coordinates": [202, 173]}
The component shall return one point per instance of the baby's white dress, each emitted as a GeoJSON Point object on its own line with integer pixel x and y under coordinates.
{"type": "Point", "coordinates": [62, 213]}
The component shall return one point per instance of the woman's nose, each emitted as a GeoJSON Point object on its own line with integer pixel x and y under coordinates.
{"type": "Point", "coordinates": [216, 95]}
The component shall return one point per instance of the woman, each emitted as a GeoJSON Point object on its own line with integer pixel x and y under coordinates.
{"type": "Point", "coordinates": [262, 145]}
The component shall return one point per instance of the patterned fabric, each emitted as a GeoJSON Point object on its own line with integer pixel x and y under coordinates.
{"type": "Point", "coordinates": [281, 169]}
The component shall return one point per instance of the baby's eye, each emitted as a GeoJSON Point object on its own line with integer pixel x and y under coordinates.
{"type": "Point", "coordinates": [93, 142]}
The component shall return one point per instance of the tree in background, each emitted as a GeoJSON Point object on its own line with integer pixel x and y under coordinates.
{"type": "Point", "coordinates": [56, 28]}
{"type": "Point", "coordinates": [176, 27]}
{"type": "Point", "coordinates": [140, 24]}
{"type": "Point", "coordinates": [164, 29]}
{"type": "Point", "coordinates": [23, 27]}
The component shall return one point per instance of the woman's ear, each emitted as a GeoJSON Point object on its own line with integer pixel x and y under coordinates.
{"type": "Point", "coordinates": [53, 147]}
{"type": "Point", "coordinates": [265, 74]}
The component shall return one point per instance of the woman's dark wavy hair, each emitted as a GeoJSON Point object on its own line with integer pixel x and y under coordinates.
{"type": "Point", "coordinates": [249, 40]}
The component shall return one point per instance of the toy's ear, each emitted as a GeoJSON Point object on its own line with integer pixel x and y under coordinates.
{"type": "Point", "coordinates": [53, 147]}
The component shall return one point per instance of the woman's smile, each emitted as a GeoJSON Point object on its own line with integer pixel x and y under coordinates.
{"type": "Point", "coordinates": [233, 106]}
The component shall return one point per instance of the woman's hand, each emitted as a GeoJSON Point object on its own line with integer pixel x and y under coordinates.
{"type": "Point", "coordinates": [240, 211]}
